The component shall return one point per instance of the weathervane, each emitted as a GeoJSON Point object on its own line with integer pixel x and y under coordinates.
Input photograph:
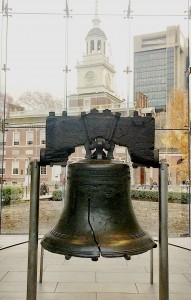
{"type": "Point", "coordinates": [96, 20]}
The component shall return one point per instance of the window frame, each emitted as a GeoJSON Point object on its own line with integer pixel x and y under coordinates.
{"type": "Point", "coordinates": [29, 141]}
{"type": "Point", "coordinates": [43, 172]}
{"type": "Point", "coordinates": [16, 141]}
{"type": "Point", "coordinates": [15, 166]}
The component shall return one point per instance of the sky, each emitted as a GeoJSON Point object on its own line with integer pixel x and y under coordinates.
{"type": "Point", "coordinates": [36, 52]}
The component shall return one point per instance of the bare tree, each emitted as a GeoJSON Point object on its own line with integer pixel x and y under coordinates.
{"type": "Point", "coordinates": [37, 100]}
{"type": "Point", "coordinates": [5, 102]}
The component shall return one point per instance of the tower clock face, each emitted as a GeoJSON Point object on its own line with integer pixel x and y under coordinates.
{"type": "Point", "coordinates": [108, 80]}
{"type": "Point", "coordinates": [90, 77]}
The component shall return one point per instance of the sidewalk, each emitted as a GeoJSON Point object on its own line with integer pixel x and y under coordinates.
{"type": "Point", "coordinates": [82, 279]}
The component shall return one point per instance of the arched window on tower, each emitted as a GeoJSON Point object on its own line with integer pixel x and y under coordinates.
{"type": "Point", "coordinates": [104, 47]}
{"type": "Point", "coordinates": [92, 46]}
{"type": "Point", "coordinates": [98, 45]}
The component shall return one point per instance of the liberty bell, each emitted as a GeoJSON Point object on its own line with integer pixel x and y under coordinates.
{"type": "Point", "coordinates": [98, 217]}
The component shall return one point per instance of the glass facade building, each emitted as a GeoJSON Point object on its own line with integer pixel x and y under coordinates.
{"type": "Point", "coordinates": [159, 66]}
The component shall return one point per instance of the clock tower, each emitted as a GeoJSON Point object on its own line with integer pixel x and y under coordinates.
{"type": "Point", "coordinates": [95, 73]}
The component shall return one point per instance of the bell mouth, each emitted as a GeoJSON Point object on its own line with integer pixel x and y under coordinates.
{"type": "Point", "coordinates": [88, 248]}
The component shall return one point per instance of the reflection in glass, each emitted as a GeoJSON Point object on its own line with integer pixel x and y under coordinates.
{"type": "Point", "coordinates": [118, 56]}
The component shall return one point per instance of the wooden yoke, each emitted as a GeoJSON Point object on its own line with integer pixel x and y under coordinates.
{"type": "Point", "coordinates": [65, 133]}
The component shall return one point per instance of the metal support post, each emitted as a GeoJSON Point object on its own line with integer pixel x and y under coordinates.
{"type": "Point", "coordinates": [163, 232]}
{"type": "Point", "coordinates": [151, 266]}
{"type": "Point", "coordinates": [33, 231]}
{"type": "Point", "coordinates": [41, 264]}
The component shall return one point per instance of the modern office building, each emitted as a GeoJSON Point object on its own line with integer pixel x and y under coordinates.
{"type": "Point", "coordinates": [160, 65]}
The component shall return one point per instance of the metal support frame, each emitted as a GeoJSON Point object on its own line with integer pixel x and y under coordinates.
{"type": "Point", "coordinates": [41, 264]}
{"type": "Point", "coordinates": [42, 259]}
{"type": "Point", "coordinates": [163, 232]}
{"type": "Point", "coordinates": [33, 231]}
{"type": "Point", "coordinates": [151, 266]}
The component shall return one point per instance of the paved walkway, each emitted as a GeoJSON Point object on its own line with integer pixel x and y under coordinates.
{"type": "Point", "coordinates": [82, 279]}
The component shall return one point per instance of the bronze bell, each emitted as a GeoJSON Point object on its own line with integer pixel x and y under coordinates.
{"type": "Point", "coordinates": [98, 217]}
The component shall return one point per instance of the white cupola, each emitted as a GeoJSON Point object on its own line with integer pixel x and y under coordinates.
{"type": "Point", "coordinates": [95, 73]}
{"type": "Point", "coordinates": [96, 38]}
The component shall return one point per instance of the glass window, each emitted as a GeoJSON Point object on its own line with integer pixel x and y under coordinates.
{"type": "Point", "coordinates": [2, 168]}
{"type": "Point", "coordinates": [15, 167]}
{"type": "Point", "coordinates": [15, 152]}
{"type": "Point", "coordinates": [42, 137]}
{"type": "Point", "coordinates": [2, 138]}
{"type": "Point", "coordinates": [30, 137]}
{"type": "Point", "coordinates": [50, 43]}
{"type": "Point", "coordinates": [29, 152]}
{"type": "Point", "coordinates": [16, 138]}
{"type": "Point", "coordinates": [43, 170]}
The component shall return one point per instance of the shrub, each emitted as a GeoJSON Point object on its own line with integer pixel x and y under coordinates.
{"type": "Point", "coordinates": [175, 197]}
{"type": "Point", "coordinates": [178, 197]}
{"type": "Point", "coordinates": [185, 198]}
{"type": "Point", "coordinates": [142, 194]}
{"type": "Point", "coordinates": [12, 193]}
{"type": "Point", "coordinates": [57, 195]}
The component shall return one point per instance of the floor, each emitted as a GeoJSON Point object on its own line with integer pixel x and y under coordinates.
{"type": "Point", "coordinates": [82, 279]}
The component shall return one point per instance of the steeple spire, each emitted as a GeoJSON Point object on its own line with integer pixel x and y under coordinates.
{"type": "Point", "coordinates": [96, 7]}
{"type": "Point", "coordinates": [96, 21]}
